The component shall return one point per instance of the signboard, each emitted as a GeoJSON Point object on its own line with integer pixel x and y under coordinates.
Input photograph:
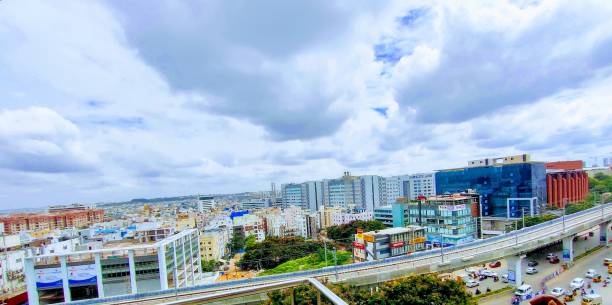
{"type": "Point", "coordinates": [358, 245]}
{"type": "Point", "coordinates": [451, 208]}
{"type": "Point", "coordinates": [396, 244]}
{"type": "Point", "coordinates": [48, 278]}
{"type": "Point", "coordinates": [369, 238]}
{"type": "Point", "coordinates": [511, 276]}
{"type": "Point", "coordinates": [566, 254]}
{"type": "Point", "coordinates": [82, 275]}
{"type": "Point", "coordinates": [417, 240]}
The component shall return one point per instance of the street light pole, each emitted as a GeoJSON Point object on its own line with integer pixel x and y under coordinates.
{"type": "Point", "coordinates": [336, 264]}
{"type": "Point", "coordinates": [564, 205]}
{"type": "Point", "coordinates": [523, 216]}
{"type": "Point", "coordinates": [480, 210]}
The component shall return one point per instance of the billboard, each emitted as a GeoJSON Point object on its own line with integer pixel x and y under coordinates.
{"type": "Point", "coordinates": [451, 208]}
{"type": "Point", "coordinates": [49, 278]}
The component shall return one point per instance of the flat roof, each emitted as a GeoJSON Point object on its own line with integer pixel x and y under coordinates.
{"type": "Point", "coordinates": [139, 246]}
{"type": "Point", "coordinates": [396, 230]}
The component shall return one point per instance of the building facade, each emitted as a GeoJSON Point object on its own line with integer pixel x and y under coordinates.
{"type": "Point", "coordinates": [55, 219]}
{"type": "Point", "coordinates": [390, 242]}
{"type": "Point", "coordinates": [374, 191]}
{"type": "Point", "coordinates": [396, 187]}
{"type": "Point", "coordinates": [448, 219]}
{"type": "Point", "coordinates": [423, 184]}
{"type": "Point", "coordinates": [115, 269]}
{"type": "Point", "coordinates": [506, 189]}
{"type": "Point", "coordinates": [384, 214]}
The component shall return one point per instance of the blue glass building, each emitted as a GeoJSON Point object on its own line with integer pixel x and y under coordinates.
{"type": "Point", "coordinates": [498, 183]}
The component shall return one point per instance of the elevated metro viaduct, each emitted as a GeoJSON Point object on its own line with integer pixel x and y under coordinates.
{"type": "Point", "coordinates": [511, 246]}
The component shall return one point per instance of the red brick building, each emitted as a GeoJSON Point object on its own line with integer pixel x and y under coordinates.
{"type": "Point", "coordinates": [16, 223]}
{"type": "Point", "coordinates": [566, 182]}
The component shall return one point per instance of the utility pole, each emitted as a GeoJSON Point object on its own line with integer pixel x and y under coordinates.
{"type": "Point", "coordinates": [516, 231]}
{"type": "Point", "coordinates": [336, 264]}
{"type": "Point", "coordinates": [480, 210]}
{"type": "Point", "coordinates": [325, 250]}
{"type": "Point", "coordinates": [523, 215]}
{"type": "Point", "coordinates": [564, 205]}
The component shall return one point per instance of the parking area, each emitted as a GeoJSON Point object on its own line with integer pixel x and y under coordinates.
{"type": "Point", "coordinates": [544, 268]}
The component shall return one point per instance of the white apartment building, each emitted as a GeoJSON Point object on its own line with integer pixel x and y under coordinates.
{"type": "Point", "coordinates": [251, 225]}
{"type": "Point", "coordinates": [422, 184]}
{"type": "Point", "coordinates": [206, 203]}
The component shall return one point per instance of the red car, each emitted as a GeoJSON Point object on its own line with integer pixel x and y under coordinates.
{"type": "Point", "coordinates": [553, 260]}
{"type": "Point", "coordinates": [495, 264]}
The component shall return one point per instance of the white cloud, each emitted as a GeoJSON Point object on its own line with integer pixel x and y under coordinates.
{"type": "Point", "coordinates": [104, 101]}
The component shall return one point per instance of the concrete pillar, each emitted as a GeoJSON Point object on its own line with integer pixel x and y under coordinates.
{"type": "Point", "coordinates": [515, 269]}
{"type": "Point", "coordinates": [192, 266]}
{"type": "Point", "coordinates": [99, 283]}
{"type": "Point", "coordinates": [568, 249]}
{"type": "Point", "coordinates": [30, 277]}
{"type": "Point", "coordinates": [132, 266]}
{"type": "Point", "coordinates": [175, 269]}
{"type": "Point", "coordinates": [199, 256]}
{"type": "Point", "coordinates": [604, 228]}
{"type": "Point", "coordinates": [549, 190]}
{"type": "Point", "coordinates": [185, 274]}
{"type": "Point", "coordinates": [163, 269]}
{"type": "Point", "coordinates": [65, 282]}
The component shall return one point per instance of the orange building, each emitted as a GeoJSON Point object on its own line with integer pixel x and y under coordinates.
{"type": "Point", "coordinates": [566, 182]}
{"type": "Point", "coordinates": [16, 223]}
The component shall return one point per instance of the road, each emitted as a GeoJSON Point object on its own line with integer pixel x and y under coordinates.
{"type": "Point", "coordinates": [592, 261]}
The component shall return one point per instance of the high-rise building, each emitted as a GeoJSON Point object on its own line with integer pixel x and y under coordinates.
{"type": "Point", "coordinates": [294, 194]}
{"type": "Point", "coordinates": [506, 189]}
{"type": "Point", "coordinates": [206, 203]}
{"type": "Point", "coordinates": [314, 195]}
{"type": "Point", "coordinates": [374, 191]}
{"type": "Point", "coordinates": [397, 187]}
{"type": "Point", "coordinates": [423, 184]}
{"type": "Point", "coordinates": [344, 192]}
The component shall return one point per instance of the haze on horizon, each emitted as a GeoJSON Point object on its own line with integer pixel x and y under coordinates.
{"type": "Point", "coordinates": [111, 100]}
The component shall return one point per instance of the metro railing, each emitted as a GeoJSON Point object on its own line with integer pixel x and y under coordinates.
{"type": "Point", "coordinates": [328, 271]}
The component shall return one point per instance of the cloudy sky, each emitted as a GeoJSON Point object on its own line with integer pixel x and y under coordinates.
{"type": "Point", "coordinates": [112, 100]}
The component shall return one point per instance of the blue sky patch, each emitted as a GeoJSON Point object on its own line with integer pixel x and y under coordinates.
{"type": "Point", "coordinates": [381, 110]}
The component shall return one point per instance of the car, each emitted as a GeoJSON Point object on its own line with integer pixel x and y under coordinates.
{"type": "Point", "coordinates": [591, 273]}
{"type": "Point", "coordinates": [557, 291]}
{"type": "Point", "coordinates": [531, 270]}
{"type": "Point", "coordinates": [577, 283]}
{"type": "Point", "coordinates": [523, 290]}
{"type": "Point", "coordinates": [532, 263]}
{"type": "Point", "coordinates": [607, 261]}
{"type": "Point", "coordinates": [554, 260]}
{"type": "Point", "coordinates": [471, 283]}
{"type": "Point", "coordinates": [488, 273]}
{"type": "Point", "coordinates": [550, 255]}
{"type": "Point", "coordinates": [495, 264]}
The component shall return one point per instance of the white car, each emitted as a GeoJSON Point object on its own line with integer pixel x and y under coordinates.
{"type": "Point", "coordinates": [531, 270]}
{"type": "Point", "coordinates": [557, 291]}
{"type": "Point", "coordinates": [591, 273]}
{"type": "Point", "coordinates": [577, 283]}
{"type": "Point", "coordinates": [488, 273]}
{"type": "Point", "coordinates": [471, 283]}
{"type": "Point", "coordinates": [550, 255]}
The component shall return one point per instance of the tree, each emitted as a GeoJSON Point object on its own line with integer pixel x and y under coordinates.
{"type": "Point", "coordinates": [413, 290]}
{"type": "Point", "coordinates": [343, 234]}
{"type": "Point", "coordinates": [250, 241]}
{"type": "Point", "coordinates": [534, 220]}
{"type": "Point", "coordinates": [237, 242]}
{"type": "Point", "coordinates": [274, 251]}
{"type": "Point", "coordinates": [210, 265]}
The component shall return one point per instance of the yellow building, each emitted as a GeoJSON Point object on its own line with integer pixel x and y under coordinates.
{"type": "Point", "coordinates": [212, 245]}
{"type": "Point", "coordinates": [327, 216]}
{"type": "Point", "coordinates": [185, 221]}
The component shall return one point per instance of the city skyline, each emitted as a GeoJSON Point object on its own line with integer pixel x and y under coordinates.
{"type": "Point", "coordinates": [100, 103]}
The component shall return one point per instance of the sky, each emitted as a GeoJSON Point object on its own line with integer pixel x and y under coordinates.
{"type": "Point", "coordinates": [112, 100]}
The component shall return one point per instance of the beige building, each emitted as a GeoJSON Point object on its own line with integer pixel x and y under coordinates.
{"type": "Point", "coordinates": [185, 221]}
{"type": "Point", "coordinates": [212, 245]}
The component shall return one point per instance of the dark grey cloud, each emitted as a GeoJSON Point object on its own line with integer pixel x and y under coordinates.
{"type": "Point", "coordinates": [482, 70]}
{"type": "Point", "coordinates": [232, 53]}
